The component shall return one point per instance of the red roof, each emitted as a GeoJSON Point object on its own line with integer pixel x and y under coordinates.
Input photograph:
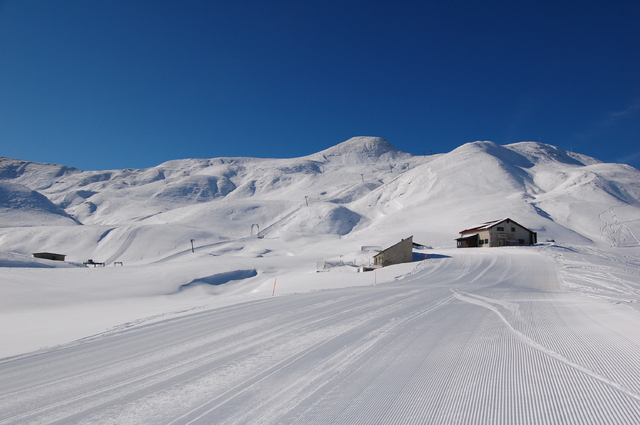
{"type": "Point", "coordinates": [490, 224]}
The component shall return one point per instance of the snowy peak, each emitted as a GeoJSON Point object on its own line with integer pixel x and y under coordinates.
{"type": "Point", "coordinates": [363, 186]}
{"type": "Point", "coordinates": [361, 150]}
{"type": "Point", "coordinates": [539, 153]}
{"type": "Point", "coordinates": [33, 174]}
{"type": "Point", "coordinates": [523, 154]}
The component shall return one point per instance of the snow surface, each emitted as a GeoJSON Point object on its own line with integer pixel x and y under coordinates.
{"type": "Point", "coordinates": [243, 329]}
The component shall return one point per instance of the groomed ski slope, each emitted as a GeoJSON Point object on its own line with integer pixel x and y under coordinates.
{"type": "Point", "coordinates": [185, 328]}
{"type": "Point", "coordinates": [480, 336]}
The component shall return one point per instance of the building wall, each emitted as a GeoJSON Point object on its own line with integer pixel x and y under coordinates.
{"type": "Point", "coordinates": [510, 232]}
{"type": "Point", "coordinates": [49, 256]}
{"type": "Point", "coordinates": [402, 252]}
{"type": "Point", "coordinates": [503, 234]}
{"type": "Point", "coordinates": [485, 238]}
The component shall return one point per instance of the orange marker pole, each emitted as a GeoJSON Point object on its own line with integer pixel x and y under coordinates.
{"type": "Point", "coordinates": [274, 287]}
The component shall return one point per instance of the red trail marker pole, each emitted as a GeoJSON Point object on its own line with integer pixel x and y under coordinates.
{"type": "Point", "coordinates": [274, 287]}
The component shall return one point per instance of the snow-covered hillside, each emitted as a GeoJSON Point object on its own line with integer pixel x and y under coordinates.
{"type": "Point", "coordinates": [360, 189]}
{"type": "Point", "coordinates": [210, 308]}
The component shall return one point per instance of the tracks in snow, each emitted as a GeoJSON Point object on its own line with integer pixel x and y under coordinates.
{"type": "Point", "coordinates": [616, 233]}
{"type": "Point", "coordinates": [509, 346]}
{"type": "Point", "coordinates": [493, 306]}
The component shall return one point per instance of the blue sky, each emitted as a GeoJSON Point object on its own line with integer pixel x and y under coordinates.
{"type": "Point", "coordinates": [130, 84]}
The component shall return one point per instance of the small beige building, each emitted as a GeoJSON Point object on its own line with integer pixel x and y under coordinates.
{"type": "Point", "coordinates": [505, 232]}
{"type": "Point", "coordinates": [402, 252]}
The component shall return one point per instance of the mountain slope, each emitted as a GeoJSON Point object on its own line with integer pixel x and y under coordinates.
{"type": "Point", "coordinates": [558, 194]}
{"type": "Point", "coordinates": [21, 206]}
{"type": "Point", "coordinates": [362, 190]}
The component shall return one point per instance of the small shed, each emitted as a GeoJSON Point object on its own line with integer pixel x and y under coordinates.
{"type": "Point", "coordinates": [49, 256]}
{"type": "Point", "coordinates": [402, 252]}
{"type": "Point", "coordinates": [504, 232]}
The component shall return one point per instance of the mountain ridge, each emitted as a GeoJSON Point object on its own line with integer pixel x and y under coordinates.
{"type": "Point", "coordinates": [358, 188]}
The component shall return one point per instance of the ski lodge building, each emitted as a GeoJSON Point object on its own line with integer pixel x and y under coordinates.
{"type": "Point", "coordinates": [402, 252]}
{"type": "Point", "coordinates": [505, 232]}
{"type": "Point", "coordinates": [49, 256]}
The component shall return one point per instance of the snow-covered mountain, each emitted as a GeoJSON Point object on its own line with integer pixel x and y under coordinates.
{"type": "Point", "coordinates": [362, 190]}
{"type": "Point", "coordinates": [217, 302]}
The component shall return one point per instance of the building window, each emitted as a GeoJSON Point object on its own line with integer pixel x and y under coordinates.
{"type": "Point", "coordinates": [513, 229]}
{"type": "Point", "coordinates": [500, 229]}
{"type": "Point", "coordinates": [486, 241]}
